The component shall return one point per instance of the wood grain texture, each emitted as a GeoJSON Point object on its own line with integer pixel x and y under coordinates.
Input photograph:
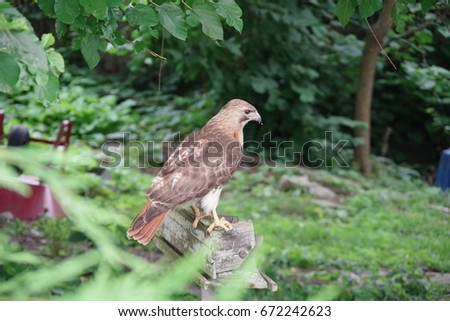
{"type": "Point", "coordinates": [225, 251]}
{"type": "Point", "coordinates": [229, 255]}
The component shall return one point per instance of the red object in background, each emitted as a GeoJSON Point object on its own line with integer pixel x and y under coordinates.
{"type": "Point", "coordinates": [63, 137]}
{"type": "Point", "coordinates": [41, 200]}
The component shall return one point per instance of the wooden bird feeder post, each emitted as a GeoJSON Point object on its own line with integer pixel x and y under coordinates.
{"type": "Point", "coordinates": [226, 252]}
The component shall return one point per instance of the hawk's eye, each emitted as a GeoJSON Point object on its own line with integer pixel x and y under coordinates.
{"type": "Point", "coordinates": [247, 111]}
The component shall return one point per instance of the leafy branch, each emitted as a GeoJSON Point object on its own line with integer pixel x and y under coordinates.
{"type": "Point", "coordinates": [345, 10]}
{"type": "Point", "coordinates": [95, 25]}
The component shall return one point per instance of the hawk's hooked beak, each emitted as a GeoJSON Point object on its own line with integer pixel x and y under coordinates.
{"type": "Point", "coordinates": [258, 119]}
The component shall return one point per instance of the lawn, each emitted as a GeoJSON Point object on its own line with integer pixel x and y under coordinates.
{"type": "Point", "coordinates": [388, 239]}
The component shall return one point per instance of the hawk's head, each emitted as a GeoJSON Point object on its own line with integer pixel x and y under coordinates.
{"type": "Point", "coordinates": [241, 111]}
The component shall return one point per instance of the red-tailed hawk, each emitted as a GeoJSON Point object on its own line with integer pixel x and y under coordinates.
{"type": "Point", "coordinates": [196, 172]}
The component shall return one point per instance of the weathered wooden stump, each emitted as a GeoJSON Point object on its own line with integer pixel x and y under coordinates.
{"type": "Point", "coordinates": [225, 252]}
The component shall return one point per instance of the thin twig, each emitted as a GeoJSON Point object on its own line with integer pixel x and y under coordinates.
{"type": "Point", "coordinates": [379, 44]}
{"type": "Point", "coordinates": [161, 62]}
{"type": "Point", "coordinates": [411, 32]}
{"type": "Point", "coordinates": [187, 6]}
{"type": "Point", "coordinates": [154, 54]}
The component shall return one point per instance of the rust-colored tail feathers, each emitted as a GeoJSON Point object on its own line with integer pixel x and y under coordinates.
{"type": "Point", "coordinates": [142, 231]}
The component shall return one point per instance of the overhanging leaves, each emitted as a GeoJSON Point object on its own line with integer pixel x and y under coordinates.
{"type": "Point", "coordinates": [172, 19]}
{"type": "Point", "coordinates": [231, 12]}
{"type": "Point", "coordinates": [141, 15]}
{"type": "Point", "coordinates": [427, 4]}
{"type": "Point", "coordinates": [49, 91]}
{"type": "Point", "coordinates": [48, 6]}
{"type": "Point", "coordinates": [56, 60]}
{"type": "Point", "coordinates": [9, 71]}
{"type": "Point", "coordinates": [113, 3]}
{"type": "Point", "coordinates": [27, 47]}
{"type": "Point", "coordinates": [398, 15]}
{"type": "Point", "coordinates": [345, 10]}
{"type": "Point", "coordinates": [95, 7]}
{"type": "Point", "coordinates": [209, 19]}
{"type": "Point", "coordinates": [67, 10]}
{"type": "Point", "coordinates": [368, 7]}
{"type": "Point", "coordinates": [90, 45]}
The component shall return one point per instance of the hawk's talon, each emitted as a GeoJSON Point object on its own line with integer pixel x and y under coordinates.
{"type": "Point", "coordinates": [222, 223]}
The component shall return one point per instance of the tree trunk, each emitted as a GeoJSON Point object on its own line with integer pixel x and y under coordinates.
{"type": "Point", "coordinates": [365, 85]}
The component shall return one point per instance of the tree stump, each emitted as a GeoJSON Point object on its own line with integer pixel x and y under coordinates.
{"type": "Point", "coordinates": [228, 254]}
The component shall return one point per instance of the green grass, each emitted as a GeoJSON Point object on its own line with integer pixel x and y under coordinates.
{"type": "Point", "coordinates": [379, 245]}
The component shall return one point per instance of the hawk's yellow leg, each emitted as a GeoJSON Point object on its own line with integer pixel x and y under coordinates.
{"type": "Point", "coordinates": [198, 216]}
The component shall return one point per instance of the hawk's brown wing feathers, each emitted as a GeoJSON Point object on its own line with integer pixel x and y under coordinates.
{"type": "Point", "coordinates": [201, 163]}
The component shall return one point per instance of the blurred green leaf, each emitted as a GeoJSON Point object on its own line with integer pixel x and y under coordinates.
{"type": "Point", "coordinates": [368, 7]}
{"type": "Point", "coordinates": [141, 15]}
{"type": "Point", "coordinates": [209, 19]}
{"type": "Point", "coordinates": [114, 3]}
{"type": "Point", "coordinates": [56, 60]}
{"type": "Point", "coordinates": [47, 40]}
{"type": "Point", "coordinates": [172, 19]}
{"type": "Point", "coordinates": [90, 44]}
{"type": "Point", "coordinates": [139, 46]}
{"type": "Point", "coordinates": [49, 91]}
{"type": "Point", "coordinates": [95, 7]}
{"type": "Point", "coordinates": [48, 6]}
{"type": "Point", "coordinates": [398, 15]}
{"type": "Point", "coordinates": [345, 10]}
{"type": "Point", "coordinates": [9, 180]}
{"type": "Point", "coordinates": [67, 10]}
{"type": "Point", "coordinates": [231, 12]}
{"type": "Point", "coordinates": [44, 279]}
{"type": "Point", "coordinates": [9, 72]}
{"type": "Point", "coordinates": [427, 4]}
{"type": "Point", "coordinates": [60, 28]}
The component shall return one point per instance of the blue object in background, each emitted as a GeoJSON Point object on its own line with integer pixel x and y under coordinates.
{"type": "Point", "coordinates": [443, 174]}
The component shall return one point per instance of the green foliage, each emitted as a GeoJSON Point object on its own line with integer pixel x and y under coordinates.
{"type": "Point", "coordinates": [141, 15]}
{"type": "Point", "coordinates": [231, 12]}
{"type": "Point", "coordinates": [379, 246]}
{"type": "Point", "coordinates": [26, 61]}
{"type": "Point", "coordinates": [433, 84]}
{"type": "Point", "coordinates": [95, 118]}
{"type": "Point", "coordinates": [290, 98]}
{"type": "Point", "coordinates": [427, 4]}
{"type": "Point", "coordinates": [10, 71]}
{"type": "Point", "coordinates": [315, 94]}
{"type": "Point", "coordinates": [368, 7]}
{"type": "Point", "coordinates": [300, 73]}
{"type": "Point", "coordinates": [96, 23]}
{"type": "Point", "coordinates": [67, 10]}
{"type": "Point", "coordinates": [345, 9]}
{"type": "Point", "coordinates": [80, 255]}
{"type": "Point", "coordinates": [172, 19]}
{"type": "Point", "coordinates": [415, 115]}
{"type": "Point", "coordinates": [417, 96]}
{"type": "Point", "coordinates": [210, 22]}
